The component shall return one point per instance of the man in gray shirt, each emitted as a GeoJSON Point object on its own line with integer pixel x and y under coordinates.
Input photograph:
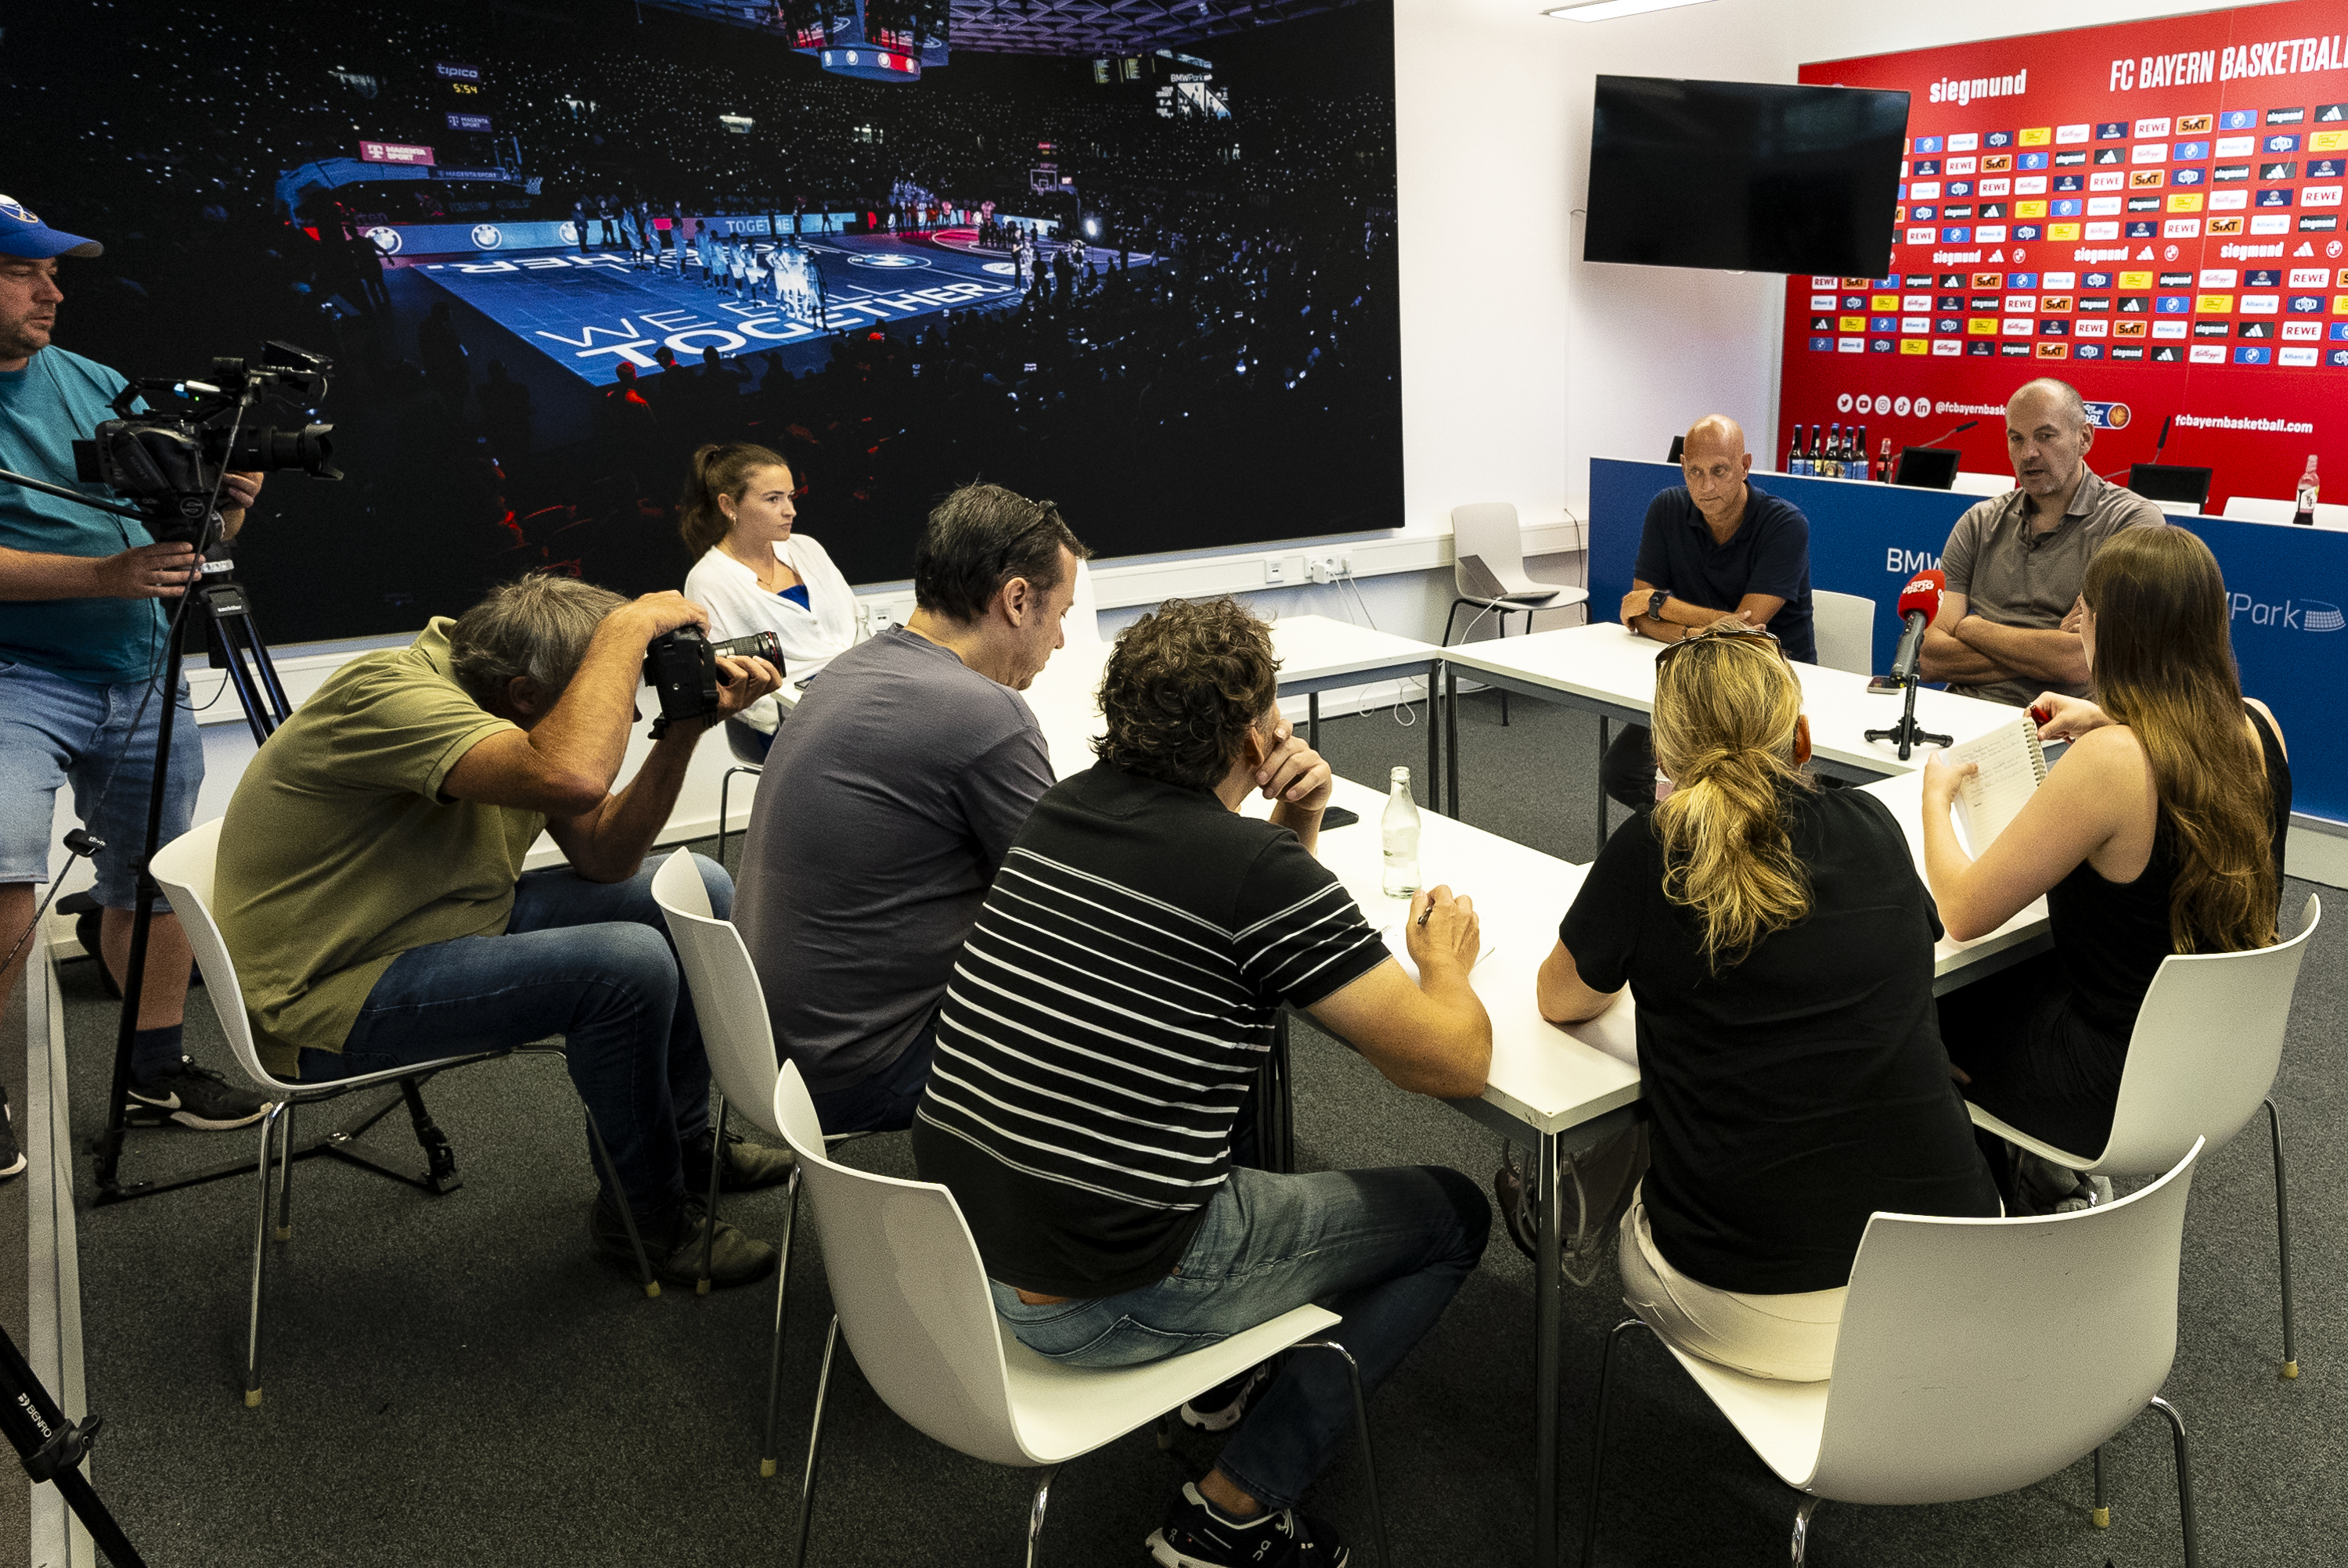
{"type": "Point", "coordinates": [2008, 627]}
{"type": "Point", "coordinates": [890, 798]}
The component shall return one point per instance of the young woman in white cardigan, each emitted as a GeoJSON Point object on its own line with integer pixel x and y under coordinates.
{"type": "Point", "coordinates": [755, 574]}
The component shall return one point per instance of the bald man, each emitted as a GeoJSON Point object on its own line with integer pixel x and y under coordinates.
{"type": "Point", "coordinates": [2008, 627]}
{"type": "Point", "coordinates": [1713, 548]}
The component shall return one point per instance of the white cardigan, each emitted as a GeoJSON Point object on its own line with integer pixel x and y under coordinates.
{"type": "Point", "coordinates": [811, 638]}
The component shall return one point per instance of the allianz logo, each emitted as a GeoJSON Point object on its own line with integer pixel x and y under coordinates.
{"type": "Point", "coordinates": [2289, 615]}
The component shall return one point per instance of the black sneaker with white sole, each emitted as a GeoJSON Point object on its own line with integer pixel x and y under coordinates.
{"type": "Point", "coordinates": [1218, 1410]}
{"type": "Point", "coordinates": [1197, 1536]}
{"type": "Point", "coordinates": [11, 1158]}
{"type": "Point", "coordinates": [194, 1095]}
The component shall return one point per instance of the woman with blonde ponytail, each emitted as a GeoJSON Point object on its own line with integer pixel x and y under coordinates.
{"type": "Point", "coordinates": [755, 573]}
{"type": "Point", "coordinates": [2160, 831]}
{"type": "Point", "coordinates": [1779, 947]}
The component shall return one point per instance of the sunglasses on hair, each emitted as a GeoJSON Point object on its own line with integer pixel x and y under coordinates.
{"type": "Point", "coordinates": [1720, 630]}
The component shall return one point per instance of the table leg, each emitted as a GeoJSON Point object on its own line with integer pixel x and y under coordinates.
{"type": "Point", "coordinates": [1434, 749]}
{"type": "Point", "coordinates": [1547, 1301]}
{"type": "Point", "coordinates": [1451, 740]}
{"type": "Point", "coordinates": [1601, 843]}
{"type": "Point", "coordinates": [1312, 720]}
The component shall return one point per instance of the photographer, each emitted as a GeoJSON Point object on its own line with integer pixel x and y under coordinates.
{"type": "Point", "coordinates": [82, 638]}
{"type": "Point", "coordinates": [370, 886]}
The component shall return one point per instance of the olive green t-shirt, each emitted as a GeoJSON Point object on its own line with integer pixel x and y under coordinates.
{"type": "Point", "coordinates": [339, 852]}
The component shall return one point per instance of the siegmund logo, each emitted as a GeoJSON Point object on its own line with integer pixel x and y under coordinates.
{"type": "Point", "coordinates": [1954, 91]}
{"type": "Point", "coordinates": [2290, 615]}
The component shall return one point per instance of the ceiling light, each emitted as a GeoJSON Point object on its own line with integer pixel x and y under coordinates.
{"type": "Point", "coordinates": [1607, 10]}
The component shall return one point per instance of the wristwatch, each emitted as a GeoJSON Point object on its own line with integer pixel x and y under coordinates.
{"type": "Point", "coordinates": [1656, 603]}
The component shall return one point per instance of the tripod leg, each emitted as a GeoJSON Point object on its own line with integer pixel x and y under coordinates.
{"type": "Point", "coordinates": [440, 1160]}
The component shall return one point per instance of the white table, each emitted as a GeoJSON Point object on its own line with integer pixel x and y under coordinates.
{"type": "Point", "coordinates": [1316, 654]}
{"type": "Point", "coordinates": [1606, 669]}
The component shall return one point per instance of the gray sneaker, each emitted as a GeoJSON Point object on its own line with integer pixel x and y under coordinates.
{"type": "Point", "coordinates": [673, 1244]}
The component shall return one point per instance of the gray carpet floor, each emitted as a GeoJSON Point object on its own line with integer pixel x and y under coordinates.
{"type": "Point", "coordinates": [458, 1380]}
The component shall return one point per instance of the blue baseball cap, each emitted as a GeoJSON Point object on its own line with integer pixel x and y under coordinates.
{"type": "Point", "coordinates": [22, 234]}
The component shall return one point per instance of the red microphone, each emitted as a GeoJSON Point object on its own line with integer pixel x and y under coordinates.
{"type": "Point", "coordinates": [1919, 605]}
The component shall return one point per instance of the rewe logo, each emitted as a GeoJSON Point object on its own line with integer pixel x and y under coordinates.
{"type": "Point", "coordinates": [2290, 615]}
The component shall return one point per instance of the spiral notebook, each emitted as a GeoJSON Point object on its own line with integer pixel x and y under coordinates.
{"type": "Point", "coordinates": [2012, 763]}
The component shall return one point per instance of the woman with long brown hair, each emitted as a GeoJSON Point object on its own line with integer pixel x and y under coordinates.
{"type": "Point", "coordinates": [2162, 831]}
{"type": "Point", "coordinates": [1780, 946]}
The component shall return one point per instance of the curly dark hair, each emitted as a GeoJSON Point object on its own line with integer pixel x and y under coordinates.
{"type": "Point", "coordinates": [1184, 684]}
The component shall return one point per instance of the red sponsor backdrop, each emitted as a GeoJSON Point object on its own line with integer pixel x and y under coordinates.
{"type": "Point", "coordinates": [2150, 210]}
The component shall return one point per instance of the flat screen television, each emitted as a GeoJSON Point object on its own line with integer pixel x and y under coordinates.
{"type": "Point", "coordinates": [1749, 177]}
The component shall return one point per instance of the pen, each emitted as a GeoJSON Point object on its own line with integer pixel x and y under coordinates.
{"type": "Point", "coordinates": [1423, 914]}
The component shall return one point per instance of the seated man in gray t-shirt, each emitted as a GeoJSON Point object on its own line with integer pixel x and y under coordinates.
{"type": "Point", "coordinates": [2006, 631]}
{"type": "Point", "coordinates": [890, 798]}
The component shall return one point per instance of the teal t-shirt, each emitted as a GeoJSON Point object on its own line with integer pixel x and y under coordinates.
{"type": "Point", "coordinates": [57, 399]}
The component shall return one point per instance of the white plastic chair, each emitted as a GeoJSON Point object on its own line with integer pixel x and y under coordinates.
{"type": "Point", "coordinates": [1844, 624]}
{"type": "Point", "coordinates": [1975, 1357]}
{"type": "Point", "coordinates": [2206, 1046]}
{"type": "Point", "coordinates": [740, 1040]}
{"type": "Point", "coordinates": [1487, 568]}
{"type": "Point", "coordinates": [911, 1294]}
{"type": "Point", "coordinates": [184, 868]}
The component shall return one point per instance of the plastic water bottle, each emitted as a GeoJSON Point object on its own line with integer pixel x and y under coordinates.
{"type": "Point", "coordinates": [1400, 827]}
{"type": "Point", "coordinates": [2308, 488]}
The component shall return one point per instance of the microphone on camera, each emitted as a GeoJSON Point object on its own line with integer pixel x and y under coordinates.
{"type": "Point", "coordinates": [1920, 606]}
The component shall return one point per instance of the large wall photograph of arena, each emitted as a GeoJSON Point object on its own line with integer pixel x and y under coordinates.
{"type": "Point", "coordinates": [1137, 259]}
{"type": "Point", "coordinates": [2150, 210]}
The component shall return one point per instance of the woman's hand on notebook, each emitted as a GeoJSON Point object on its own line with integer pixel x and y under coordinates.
{"type": "Point", "coordinates": [1941, 779]}
{"type": "Point", "coordinates": [2061, 718]}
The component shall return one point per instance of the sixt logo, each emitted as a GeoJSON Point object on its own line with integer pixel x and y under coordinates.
{"type": "Point", "coordinates": [2291, 615]}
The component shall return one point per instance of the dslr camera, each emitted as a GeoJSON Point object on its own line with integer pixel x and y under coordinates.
{"type": "Point", "coordinates": [682, 666]}
{"type": "Point", "coordinates": [168, 466]}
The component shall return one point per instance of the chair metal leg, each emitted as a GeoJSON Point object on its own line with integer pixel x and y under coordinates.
{"type": "Point", "coordinates": [716, 1165]}
{"type": "Point", "coordinates": [285, 1175]}
{"type": "Point", "coordinates": [1801, 1543]}
{"type": "Point", "coordinates": [1602, 727]}
{"type": "Point", "coordinates": [2282, 1243]}
{"type": "Point", "coordinates": [1035, 1507]}
{"type": "Point", "coordinates": [1169, 1429]}
{"type": "Point", "coordinates": [1598, 1438]}
{"type": "Point", "coordinates": [1504, 691]}
{"type": "Point", "coordinates": [1361, 1434]}
{"type": "Point", "coordinates": [2184, 1482]}
{"type": "Point", "coordinates": [1451, 740]}
{"type": "Point", "coordinates": [775, 1360]}
{"type": "Point", "coordinates": [1312, 720]}
{"type": "Point", "coordinates": [2102, 1510]}
{"type": "Point", "coordinates": [260, 1258]}
{"type": "Point", "coordinates": [627, 1214]}
{"type": "Point", "coordinates": [814, 1443]}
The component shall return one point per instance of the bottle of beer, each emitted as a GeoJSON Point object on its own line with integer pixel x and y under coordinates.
{"type": "Point", "coordinates": [1793, 452]}
{"type": "Point", "coordinates": [1883, 463]}
{"type": "Point", "coordinates": [1858, 454]}
{"type": "Point", "coordinates": [1827, 452]}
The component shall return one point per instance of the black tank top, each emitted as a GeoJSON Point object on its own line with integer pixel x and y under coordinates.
{"type": "Point", "coordinates": [2111, 935]}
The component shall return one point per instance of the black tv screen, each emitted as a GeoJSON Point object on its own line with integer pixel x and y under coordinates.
{"type": "Point", "coordinates": [1751, 176]}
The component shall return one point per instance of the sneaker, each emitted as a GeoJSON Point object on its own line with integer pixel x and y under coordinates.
{"type": "Point", "coordinates": [194, 1096]}
{"type": "Point", "coordinates": [1220, 1407]}
{"type": "Point", "coordinates": [11, 1158]}
{"type": "Point", "coordinates": [748, 1167]}
{"type": "Point", "coordinates": [673, 1244]}
{"type": "Point", "coordinates": [1195, 1535]}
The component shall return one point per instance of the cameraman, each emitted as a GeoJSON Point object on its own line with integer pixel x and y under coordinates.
{"type": "Point", "coordinates": [370, 886]}
{"type": "Point", "coordinates": [81, 641]}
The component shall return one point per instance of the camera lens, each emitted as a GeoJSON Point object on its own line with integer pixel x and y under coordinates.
{"type": "Point", "coordinates": [269, 449]}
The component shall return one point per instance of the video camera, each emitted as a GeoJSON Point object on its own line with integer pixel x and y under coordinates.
{"type": "Point", "coordinates": [170, 465]}
{"type": "Point", "coordinates": [682, 666]}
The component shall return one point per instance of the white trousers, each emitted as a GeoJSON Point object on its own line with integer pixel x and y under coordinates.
{"type": "Point", "coordinates": [1789, 1337]}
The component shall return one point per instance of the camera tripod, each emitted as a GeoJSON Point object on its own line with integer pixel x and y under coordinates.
{"type": "Point", "coordinates": [51, 1449]}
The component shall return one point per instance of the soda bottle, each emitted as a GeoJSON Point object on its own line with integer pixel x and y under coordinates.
{"type": "Point", "coordinates": [1399, 827]}
{"type": "Point", "coordinates": [2308, 486]}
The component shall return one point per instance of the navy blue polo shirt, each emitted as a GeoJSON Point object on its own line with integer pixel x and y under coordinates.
{"type": "Point", "coordinates": [1769, 554]}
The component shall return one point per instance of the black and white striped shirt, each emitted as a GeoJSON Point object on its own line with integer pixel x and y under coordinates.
{"type": "Point", "coordinates": [1107, 1016]}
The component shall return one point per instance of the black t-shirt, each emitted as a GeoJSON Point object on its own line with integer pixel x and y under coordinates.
{"type": "Point", "coordinates": [1803, 1089]}
{"type": "Point", "coordinates": [1769, 553]}
{"type": "Point", "coordinates": [1111, 1007]}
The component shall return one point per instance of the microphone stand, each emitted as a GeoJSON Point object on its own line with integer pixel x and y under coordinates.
{"type": "Point", "coordinates": [1907, 733]}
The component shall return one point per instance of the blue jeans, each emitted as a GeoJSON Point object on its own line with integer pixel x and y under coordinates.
{"type": "Point", "coordinates": [590, 962]}
{"type": "Point", "coordinates": [55, 731]}
{"type": "Point", "coordinates": [1386, 1249]}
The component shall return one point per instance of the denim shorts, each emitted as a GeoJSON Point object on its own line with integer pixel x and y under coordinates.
{"type": "Point", "coordinates": [58, 731]}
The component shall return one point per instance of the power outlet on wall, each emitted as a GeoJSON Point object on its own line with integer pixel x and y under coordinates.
{"type": "Point", "coordinates": [1328, 569]}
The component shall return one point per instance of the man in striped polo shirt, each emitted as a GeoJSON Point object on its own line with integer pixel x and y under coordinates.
{"type": "Point", "coordinates": [1108, 1015]}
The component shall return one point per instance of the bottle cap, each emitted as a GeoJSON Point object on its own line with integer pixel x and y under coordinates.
{"type": "Point", "coordinates": [1399, 775]}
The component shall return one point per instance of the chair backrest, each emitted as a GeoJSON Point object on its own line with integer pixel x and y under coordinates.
{"type": "Point", "coordinates": [1083, 623]}
{"type": "Point", "coordinates": [1976, 1356]}
{"type": "Point", "coordinates": [1844, 627]}
{"type": "Point", "coordinates": [1967, 482]}
{"type": "Point", "coordinates": [1487, 531]}
{"type": "Point", "coordinates": [2207, 1042]}
{"type": "Point", "coordinates": [726, 995]}
{"type": "Point", "coordinates": [909, 1290]}
{"type": "Point", "coordinates": [2257, 509]}
{"type": "Point", "coordinates": [183, 869]}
